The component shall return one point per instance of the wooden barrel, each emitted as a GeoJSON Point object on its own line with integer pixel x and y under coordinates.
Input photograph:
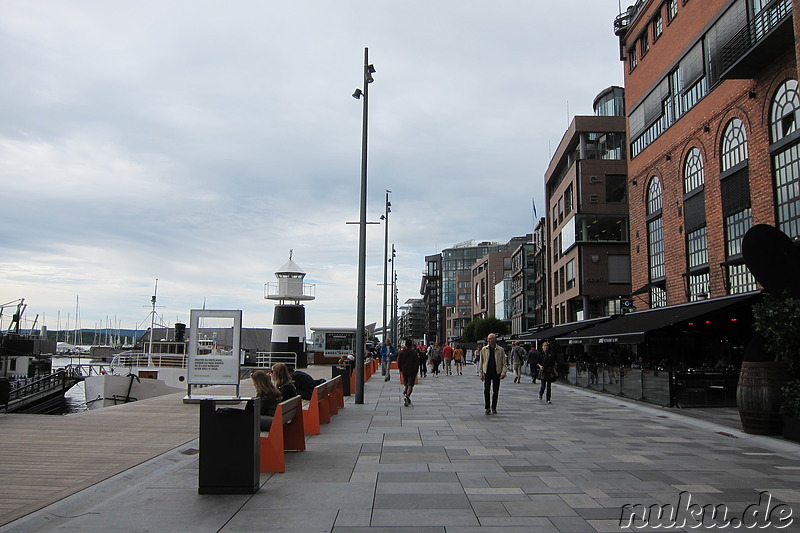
{"type": "Point", "coordinates": [759, 396]}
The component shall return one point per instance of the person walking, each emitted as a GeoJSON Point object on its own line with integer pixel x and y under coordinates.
{"type": "Point", "coordinates": [458, 359]}
{"type": "Point", "coordinates": [435, 358]}
{"type": "Point", "coordinates": [493, 368]}
{"type": "Point", "coordinates": [422, 351]}
{"type": "Point", "coordinates": [534, 358]}
{"type": "Point", "coordinates": [387, 351]}
{"type": "Point", "coordinates": [447, 357]}
{"type": "Point", "coordinates": [548, 371]}
{"type": "Point", "coordinates": [408, 364]}
{"type": "Point", "coordinates": [518, 354]}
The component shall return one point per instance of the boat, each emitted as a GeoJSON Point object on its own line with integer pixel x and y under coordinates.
{"type": "Point", "coordinates": [160, 364]}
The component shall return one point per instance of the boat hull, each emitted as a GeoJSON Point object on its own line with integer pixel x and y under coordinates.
{"type": "Point", "coordinates": [107, 389]}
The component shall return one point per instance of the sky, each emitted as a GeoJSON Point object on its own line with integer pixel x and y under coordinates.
{"type": "Point", "coordinates": [198, 142]}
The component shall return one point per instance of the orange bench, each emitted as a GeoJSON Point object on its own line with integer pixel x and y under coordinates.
{"type": "Point", "coordinates": [286, 433]}
{"type": "Point", "coordinates": [317, 411]}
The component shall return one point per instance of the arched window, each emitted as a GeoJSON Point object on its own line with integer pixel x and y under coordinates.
{"type": "Point", "coordinates": [735, 187]}
{"type": "Point", "coordinates": [784, 118]}
{"type": "Point", "coordinates": [694, 220]}
{"type": "Point", "coordinates": [655, 242]}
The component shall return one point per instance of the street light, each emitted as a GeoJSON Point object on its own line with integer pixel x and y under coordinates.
{"type": "Point", "coordinates": [362, 234]}
{"type": "Point", "coordinates": [385, 256]}
{"type": "Point", "coordinates": [394, 294]}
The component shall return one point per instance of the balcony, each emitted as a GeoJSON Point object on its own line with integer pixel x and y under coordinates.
{"type": "Point", "coordinates": [770, 33]}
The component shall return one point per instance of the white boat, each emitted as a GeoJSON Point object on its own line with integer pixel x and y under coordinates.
{"type": "Point", "coordinates": [133, 376]}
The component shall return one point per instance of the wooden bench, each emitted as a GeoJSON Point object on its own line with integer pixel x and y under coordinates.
{"type": "Point", "coordinates": [338, 390]}
{"type": "Point", "coordinates": [286, 433]}
{"type": "Point", "coordinates": [317, 410]}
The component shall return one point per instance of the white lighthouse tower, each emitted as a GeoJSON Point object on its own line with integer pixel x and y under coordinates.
{"type": "Point", "coordinates": [289, 318]}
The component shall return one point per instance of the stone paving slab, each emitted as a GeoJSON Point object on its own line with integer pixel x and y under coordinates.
{"type": "Point", "coordinates": [443, 466]}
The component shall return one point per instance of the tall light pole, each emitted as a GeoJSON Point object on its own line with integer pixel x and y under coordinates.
{"type": "Point", "coordinates": [394, 293]}
{"type": "Point", "coordinates": [362, 233]}
{"type": "Point", "coordinates": [385, 257]}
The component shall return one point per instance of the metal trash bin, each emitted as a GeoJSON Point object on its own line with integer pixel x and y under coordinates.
{"type": "Point", "coordinates": [343, 371]}
{"type": "Point", "coordinates": [229, 449]}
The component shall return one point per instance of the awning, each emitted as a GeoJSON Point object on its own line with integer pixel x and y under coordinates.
{"type": "Point", "coordinates": [631, 328]}
{"type": "Point", "coordinates": [561, 329]}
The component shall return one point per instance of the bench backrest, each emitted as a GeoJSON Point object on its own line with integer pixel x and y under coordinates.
{"type": "Point", "coordinates": [322, 390]}
{"type": "Point", "coordinates": [289, 408]}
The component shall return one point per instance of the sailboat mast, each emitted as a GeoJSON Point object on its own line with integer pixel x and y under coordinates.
{"type": "Point", "coordinates": [153, 318]}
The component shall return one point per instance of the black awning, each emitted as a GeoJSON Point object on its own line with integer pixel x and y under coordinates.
{"type": "Point", "coordinates": [662, 284]}
{"type": "Point", "coordinates": [631, 328]}
{"type": "Point", "coordinates": [561, 329]}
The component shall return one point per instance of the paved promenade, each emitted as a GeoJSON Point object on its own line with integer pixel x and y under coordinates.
{"type": "Point", "coordinates": [443, 466]}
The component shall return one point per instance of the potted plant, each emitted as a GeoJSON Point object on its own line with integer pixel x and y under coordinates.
{"type": "Point", "coordinates": [790, 409]}
{"type": "Point", "coordinates": [775, 319]}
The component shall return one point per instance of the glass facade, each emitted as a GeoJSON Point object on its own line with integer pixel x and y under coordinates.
{"type": "Point", "coordinates": [784, 118]}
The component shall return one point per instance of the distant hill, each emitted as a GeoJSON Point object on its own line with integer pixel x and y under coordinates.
{"type": "Point", "coordinates": [90, 337]}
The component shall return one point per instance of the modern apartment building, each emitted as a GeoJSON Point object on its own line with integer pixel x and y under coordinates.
{"type": "Point", "coordinates": [587, 205]}
{"type": "Point", "coordinates": [487, 272]}
{"type": "Point", "coordinates": [713, 114]}
{"type": "Point", "coordinates": [523, 288]}
{"type": "Point", "coordinates": [431, 291]}
{"type": "Point", "coordinates": [411, 322]}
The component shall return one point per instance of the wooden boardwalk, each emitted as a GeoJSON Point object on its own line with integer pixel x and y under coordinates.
{"type": "Point", "coordinates": [45, 458]}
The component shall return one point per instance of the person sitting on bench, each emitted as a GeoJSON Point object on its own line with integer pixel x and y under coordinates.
{"type": "Point", "coordinates": [270, 398]}
{"type": "Point", "coordinates": [304, 384]}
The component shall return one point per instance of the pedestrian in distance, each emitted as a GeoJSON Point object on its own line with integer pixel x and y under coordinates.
{"type": "Point", "coordinates": [458, 359]}
{"type": "Point", "coordinates": [493, 369]}
{"type": "Point", "coordinates": [548, 371]}
{"type": "Point", "coordinates": [408, 364]}
{"type": "Point", "coordinates": [386, 353]}
{"type": "Point", "coordinates": [422, 351]}
{"type": "Point", "coordinates": [518, 356]}
{"type": "Point", "coordinates": [447, 357]}
{"type": "Point", "coordinates": [534, 358]}
{"type": "Point", "coordinates": [435, 358]}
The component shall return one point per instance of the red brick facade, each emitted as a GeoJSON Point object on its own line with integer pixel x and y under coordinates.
{"type": "Point", "coordinates": [701, 127]}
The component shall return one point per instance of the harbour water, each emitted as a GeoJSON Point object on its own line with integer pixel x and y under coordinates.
{"type": "Point", "coordinates": [74, 399]}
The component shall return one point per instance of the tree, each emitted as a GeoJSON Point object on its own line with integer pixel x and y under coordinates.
{"type": "Point", "coordinates": [478, 328]}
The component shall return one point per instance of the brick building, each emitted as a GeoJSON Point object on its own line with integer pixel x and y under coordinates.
{"type": "Point", "coordinates": [711, 91]}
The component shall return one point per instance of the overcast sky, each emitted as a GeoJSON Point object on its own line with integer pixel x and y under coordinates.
{"type": "Point", "coordinates": [197, 142]}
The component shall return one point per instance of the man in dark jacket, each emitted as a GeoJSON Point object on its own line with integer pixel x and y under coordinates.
{"type": "Point", "coordinates": [304, 384]}
{"type": "Point", "coordinates": [408, 364]}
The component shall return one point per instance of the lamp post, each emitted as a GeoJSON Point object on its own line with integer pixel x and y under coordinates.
{"type": "Point", "coordinates": [394, 294]}
{"type": "Point", "coordinates": [385, 257]}
{"type": "Point", "coordinates": [362, 233]}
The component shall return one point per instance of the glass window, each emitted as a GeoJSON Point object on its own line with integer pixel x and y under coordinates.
{"type": "Point", "coordinates": [734, 144]}
{"type": "Point", "coordinates": [568, 199]}
{"type": "Point", "coordinates": [655, 238]}
{"type": "Point", "coordinates": [787, 190]}
{"type": "Point", "coordinates": [698, 287]}
{"type": "Point", "coordinates": [601, 228]}
{"type": "Point", "coordinates": [672, 9]}
{"type": "Point", "coordinates": [697, 248]}
{"type": "Point", "coordinates": [785, 110]}
{"type": "Point", "coordinates": [655, 230]}
{"type": "Point", "coordinates": [619, 269]}
{"type": "Point", "coordinates": [616, 188]}
{"type": "Point", "coordinates": [740, 279]}
{"type": "Point", "coordinates": [654, 196]}
{"type": "Point", "coordinates": [632, 59]}
{"type": "Point", "coordinates": [658, 297]}
{"type": "Point", "coordinates": [693, 176]}
{"type": "Point", "coordinates": [570, 274]}
{"type": "Point", "coordinates": [658, 26]}
{"type": "Point", "coordinates": [644, 44]}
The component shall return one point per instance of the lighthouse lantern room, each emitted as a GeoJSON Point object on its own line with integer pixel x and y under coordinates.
{"type": "Point", "coordinates": [289, 318]}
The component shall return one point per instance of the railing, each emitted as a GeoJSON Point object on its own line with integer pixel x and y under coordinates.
{"type": "Point", "coordinates": [21, 388]}
{"type": "Point", "coordinates": [127, 360]}
{"type": "Point", "coordinates": [85, 370]}
{"type": "Point", "coordinates": [701, 388]}
{"type": "Point", "coordinates": [267, 359]}
{"type": "Point", "coordinates": [767, 19]}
